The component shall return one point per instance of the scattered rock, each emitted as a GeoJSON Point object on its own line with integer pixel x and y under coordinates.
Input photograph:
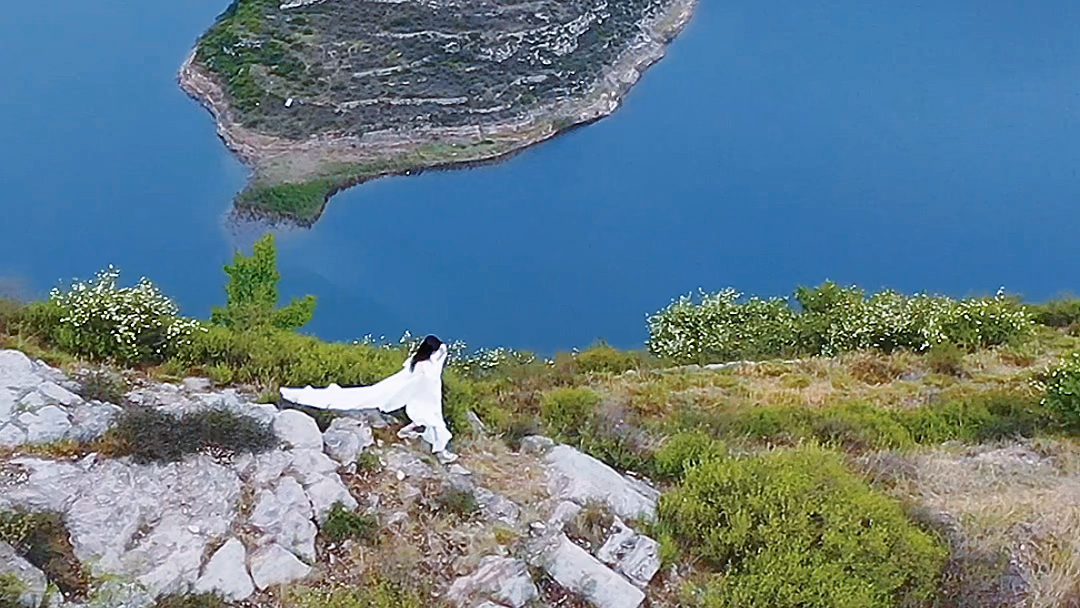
{"type": "Point", "coordinates": [298, 430]}
{"type": "Point", "coordinates": [285, 516]}
{"type": "Point", "coordinates": [197, 385]}
{"type": "Point", "coordinates": [274, 565]}
{"type": "Point", "coordinates": [635, 556]}
{"type": "Point", "coordinates": [573, 568]}
{"type": "Point", "coordinates": [91, 420]}
{"type": "Point", "coordinates": [17, 371]}
{"type": "Point", "coordinates": [580, 478]}
{"type": "Point", "coordinates": [226, 573]}
{"type": "Point", "coordinates": [32, 581]}
{"type": "Point", "coordinates": [502, 579]}
{"type": "Point", "coordinates": [7, 405]}
{"type": "Point", "coordinates": [310, 466]}
{"type": "Point", "coordinates": [536, 444]}
{"type": "Point", "coordinates": [346, 438]}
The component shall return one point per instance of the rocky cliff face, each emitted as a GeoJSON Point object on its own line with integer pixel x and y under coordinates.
{"type": "Point", "coordinates": [241, 525]}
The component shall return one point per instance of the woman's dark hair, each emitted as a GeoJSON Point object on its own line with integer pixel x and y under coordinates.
{"type": "Point", "coordinates": [427, 347]}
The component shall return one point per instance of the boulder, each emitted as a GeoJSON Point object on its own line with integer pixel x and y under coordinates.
{"type": "Point", "coordinates": [269, 466]}
{"type": "Point", "coordinates": [91, 420]}
{"type": "Point", "coordinates": [346, 438]}
{"type": "Point", "coordinates": [59, 395]}
{"type": "Point", "coordinates": [50, 423]}
{"type": "Point", "coordinates": [635, 556]}
{"type": "Point", "coordinates": [298, 430]}
{"type": "Point", "coordinates": [17, 371]}
{"type": "Point", "coordinates": [284, 515]}
{"type": "Point", "coordinates": [226, 573]}
{"type": "Point", "coordinates": [581, 478]}
{"type": "Point", "coordinates": [274, 565]}
{"type": "Point", "coordinates": [11, 436]}
{"type": "Point", "coordinates": [31, 582]}
{"type": "Point", "coordinates": [310, 466]}
{"type": "Point", "coordinates": [500, 579]}
{"type": "Point", "coordinates": [573, 568]}
{"type": "Point", "coordinates": [328, 491]}
{"type": "Point", "coordinates": [536, 444]}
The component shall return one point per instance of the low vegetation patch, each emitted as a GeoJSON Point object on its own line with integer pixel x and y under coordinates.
{"type": "Point", "coordinates": [42, 539]}
{"type": "Point", "coordinates": [201, 600]}
{"type": "Point", "coordinates": [11, 590]}
{"type": "Point", "coordinates": [148, 435]}
{"type": "Point", "coordinates": [344, 524]}
{"type": "Point", "coordinates": [794, 528]}
{"type": "Point", "coordinates": [376, 593]}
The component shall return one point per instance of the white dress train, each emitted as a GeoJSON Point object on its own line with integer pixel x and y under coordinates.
{"type": "Point", "coordinates": [418, 390]}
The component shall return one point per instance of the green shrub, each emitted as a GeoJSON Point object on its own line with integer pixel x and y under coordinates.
{"type": "Point", "coordinates": [567, 411]}
{"type": "Point", "coordinates": [831, 320]}
{"type": "Point", "coordinates": [603, 358]}
{"type": "Point", "coordinates": [252, 293]}
{"type": "Point", "coordinates": [11, 590]}
{"type": "Point", "coordinates": [42, 539]}
{"type": "Point", "coordinates": [342, 524]}
{"type": "Point", "coordinates": [375, 593]}
{"type": "Point", "coordinates": [682, 451]}
{"type": "Point", "coordinates": [148, 435]}
{"type": "Point", "coordinates": [457, 501]}
{"type": "Point", "coordinates": [794, 528]}
{"type": "Point", "coordinates": [946, 358]}
{"type": "Point", "coordinates": [103, 385]}
{"type": "Point", "coordinates": [1062, 312]}
{"type": "Point", "coordinates": [1060, 385]}
{"type": "Point", "coordinates": [201, 600]}
{"type": "Point", "coordinates": [99, 320]}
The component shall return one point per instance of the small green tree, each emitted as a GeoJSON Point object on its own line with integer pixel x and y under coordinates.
{"type": "Point", "coordinates": [253, 293]}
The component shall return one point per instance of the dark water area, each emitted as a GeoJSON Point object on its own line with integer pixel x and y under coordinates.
{"type": "Point", "coordinates": [926, 147]}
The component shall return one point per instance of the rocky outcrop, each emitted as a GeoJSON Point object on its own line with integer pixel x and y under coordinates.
{"type": "Point", "coordinates": [240, 525]}
{"type": "Point", "coordinates": [31, 584]}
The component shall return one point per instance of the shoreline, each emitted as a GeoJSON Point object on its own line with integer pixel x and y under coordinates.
{"type": "Point", "coordinates": [315, 169]}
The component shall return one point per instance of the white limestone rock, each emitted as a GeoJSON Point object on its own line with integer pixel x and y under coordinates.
{"type": "Point", "coordinates": [11, 436]}
{"type": "Point", "coordinates": [58, 395]}
{"type": "Point", "coordinates": [274, 565]}
{"type": "Point", "coordinates": [573, 568]}
{"type": "Point", "coordinates": [298, 430]}
{"type": "Point", "coordinates": [7, 405]}
{"type": "Point", "coordinates": [635, 556]}
{"type": "Point", "coordinates": [310, 466]}
{"type": "Point", "coordinates": [17, 371]}
{"type": "Point", "coordinates": [346, 438]}
{"type": "Point", "coordinates": [536, 444]}
{"type": "Point", "coordinates": [501, 579]}
{"type": "Point", "coordinates": [284, 515]}
{"type": "Point", "coordinates": [580, 478]}
{"type": "Point", "coordinates": [50, 423]}
{"type": "Point", "coordinates": [327, 491]}
{"type": "Point", "coordinates": [226, 573]}
{"type": "Point", "coordinates": [33, 583]}
{"type": "Point", "coordinates": [91, 420]}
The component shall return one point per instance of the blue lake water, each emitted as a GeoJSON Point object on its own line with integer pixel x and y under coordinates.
{"type": "Point", "coordinates": [929, 146]}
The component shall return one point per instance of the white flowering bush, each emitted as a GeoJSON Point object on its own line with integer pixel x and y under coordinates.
{"type": "Point", "coordinates": [1060, 385]}
{"type": "Point", "coordinates": [101, 320]}
{"type": "Point", "coordinates": [830, 320]}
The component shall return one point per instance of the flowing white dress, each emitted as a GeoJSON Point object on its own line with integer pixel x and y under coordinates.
{"type": "Point", "coordinates": [418, 390]}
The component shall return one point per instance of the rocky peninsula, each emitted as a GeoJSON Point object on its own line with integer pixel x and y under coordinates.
{"type": "Point", "coordinates": [319, 95]}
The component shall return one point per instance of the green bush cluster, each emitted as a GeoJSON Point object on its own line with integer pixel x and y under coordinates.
{"type": "Point", "coordinates": [830, 319]}
{"type": "Point", "coordinates": [1060, 385]}
{"type": "Point", "coordinates": [99, 320]}
{"type": "Point", "coordinates": [343, 524]}
{"type": "Point", "coordinates": [252, 293]}
{"type": "Point", "coordinates": [682, 451]}
{"type": "Point", "coordinates": [149, 435]}
{"type": "Point", "coordinates": [794, 528]}
{"type": "Point", "coordinates": [1062, 312]}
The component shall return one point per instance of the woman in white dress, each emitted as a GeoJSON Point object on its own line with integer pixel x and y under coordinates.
{"type": "Point", "coordinates": [417, 388]}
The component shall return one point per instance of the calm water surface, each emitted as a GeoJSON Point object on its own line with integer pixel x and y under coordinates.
{"type": "Point", "coordinates": [931, 146]}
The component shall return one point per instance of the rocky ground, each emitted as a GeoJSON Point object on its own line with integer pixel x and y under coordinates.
{"type": "Point", "coordinates": [243, 525]}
